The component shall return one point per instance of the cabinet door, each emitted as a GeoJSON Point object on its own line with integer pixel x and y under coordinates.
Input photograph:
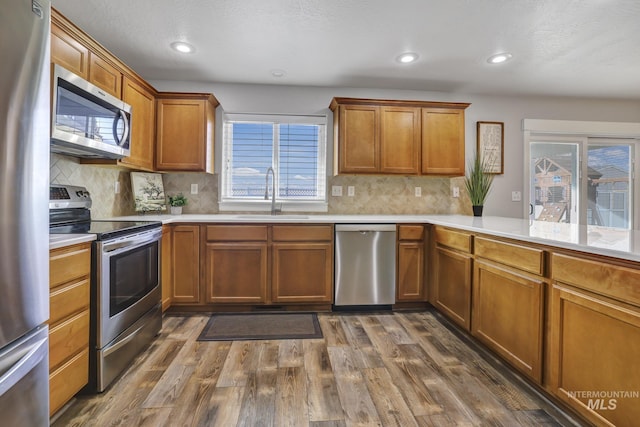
{"type": "Point", "coordinates": [359, 139]}
{"type": "Point", "coordinates": [236, 272]}
{"type": "Point", "coordinates": [400, 140]}
{"type": "Point", "coordinates": [302, 272]}
{"type": "Point", "coordinates": [181, 135]}
{"type": "Point", "coordinates": [143, 123]}
{"type": "Point", "coordinates": [508, 315]}
{"type": "Point", "coordinates": [411, 272]}
{"type": "Point", "coordinates": [166, 266]}
{"type": "Point", "coordinates": [443, 141]}
{"type": "Point", "coordinates": [105, 76]}
{"type": "Point", "coordinates": [595, 347]}
{"type": "Point", "coordinates": [452, 285]}
{"type": "Point", "coordinates": [186, 264]}
{"type": "Point", "coordinates": [68, 52]}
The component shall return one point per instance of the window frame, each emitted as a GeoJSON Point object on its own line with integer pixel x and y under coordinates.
{"type": "Point", "coordinates": [226, 203]}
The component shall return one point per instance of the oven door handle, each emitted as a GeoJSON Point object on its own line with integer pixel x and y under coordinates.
{"type": "Point", "coordinates": [131, 243]}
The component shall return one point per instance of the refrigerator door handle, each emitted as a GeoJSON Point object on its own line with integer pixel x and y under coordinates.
{"type": "Point", "coordinates": [24, 366]}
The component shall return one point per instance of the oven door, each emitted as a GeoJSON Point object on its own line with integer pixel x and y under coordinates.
{"type": "Point", "coordinates": [127, 282]}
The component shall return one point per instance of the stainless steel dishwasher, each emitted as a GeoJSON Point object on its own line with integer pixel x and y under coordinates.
{"type": "Point", "coordinates": [365, 265]}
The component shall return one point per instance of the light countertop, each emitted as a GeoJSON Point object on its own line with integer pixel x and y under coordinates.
{"type": "Point", "coordinates": [617, 243]}
{"type": "Point", "coordinates": [61, 240]}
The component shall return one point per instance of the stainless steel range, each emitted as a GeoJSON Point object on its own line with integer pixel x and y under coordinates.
{"type": "Point", "coordinates": [126, 309]}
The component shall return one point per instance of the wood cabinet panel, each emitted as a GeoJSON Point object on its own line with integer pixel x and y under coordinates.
{"type": "Point", "coordinates": [410, 232]}
{"type": "Point", "coordinates": [67, 380]}
{"type": "Point", "coordinates": [297, 233]}
{"type": "Point", "coordinates": [400, 140]}
{"type": "Point", "coordinates": [105, 76]}
{"type": "Point", "coordinates": [611, 280]}
{"type": "Point", "coordinates": [452, 285]}
{"type": "Point", "coordinates": [359, 136]}
{"type": "Point", "coordinates": [185, 132]}
{"type": "Point", "coordinates": [518, 256]}
{"type": "Point", "coordinates": [410, 286]}
{"type": "Point", "coordinates": [143, 125]}
{"type": "Point", "coordinates": [67, 264]}
{"type": "Point", "coordinates": [302, 272]}
{"type": "Point", "coordinates": [67, 300]}
{"type": "Point", "coordinates": [68, 52]}
{"type": "Point", "coordinates": [237, 233]}
{"type": "Point", "coordinates": [453, 239]}
{"type": "Point", "coordinates": [595, 347]}
{"type": "Point", "coordinates": [236, 273]}
{"type": "Point", "coordinates": [166, 266]}
{"type": "Point", "coordinates": [68, 338]}
{"type": "Point", "coordinates": [508, 314]}
{"type": "Point", "coordinates": [186, 264]}
{"type": "Point", "coordinates": [443, 141]}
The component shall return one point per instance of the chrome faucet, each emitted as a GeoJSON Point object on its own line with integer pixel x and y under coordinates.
{"type": "Point", "coordinates": [274, 210]}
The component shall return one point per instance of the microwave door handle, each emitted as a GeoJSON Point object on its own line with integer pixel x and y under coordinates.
{"type": "Point", "coordinates": [120, 138]}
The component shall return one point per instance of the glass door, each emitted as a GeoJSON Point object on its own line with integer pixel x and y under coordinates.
{"type": "Point", "coordinates": [554, 181]}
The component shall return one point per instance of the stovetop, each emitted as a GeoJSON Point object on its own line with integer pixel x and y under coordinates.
{"type": "Point", "coordinates": [69, 214]}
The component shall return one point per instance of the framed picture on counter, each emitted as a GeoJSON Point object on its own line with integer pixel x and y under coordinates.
{"type": "Point", "coordinates": [491, 145]}
{"type": "Point", "coordinates": [148, 192]}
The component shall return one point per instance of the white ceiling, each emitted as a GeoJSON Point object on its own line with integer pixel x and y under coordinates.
{"type": "Point", "coordinates": [586, 48]}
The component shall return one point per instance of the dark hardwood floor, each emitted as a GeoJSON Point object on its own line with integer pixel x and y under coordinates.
{"type": "Point", "coordinates": [373, 369]}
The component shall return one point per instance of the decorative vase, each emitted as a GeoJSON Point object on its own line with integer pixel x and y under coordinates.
{"type": "Point", "coordinates": [176, 210]}
{"type": "Point", "coordinates": [477, 210]}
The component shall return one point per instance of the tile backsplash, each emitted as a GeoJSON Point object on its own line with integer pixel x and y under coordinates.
{"type": "Point", "coordinates": [373, 194]}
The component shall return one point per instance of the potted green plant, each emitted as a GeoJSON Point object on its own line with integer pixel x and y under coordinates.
{"type": "Point", "coordinates": [478, 183]}
{"type": "Point", "coordinates": [177, 202]}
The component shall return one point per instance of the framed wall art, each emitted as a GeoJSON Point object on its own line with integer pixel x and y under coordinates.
{"type": "Point", "coordinates": [491, 146]}
{"type": "Point", "coordinates": [148, 192]}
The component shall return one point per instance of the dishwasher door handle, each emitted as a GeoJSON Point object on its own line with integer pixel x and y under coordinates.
{"type": "Point", "coordinates": [365, 228]}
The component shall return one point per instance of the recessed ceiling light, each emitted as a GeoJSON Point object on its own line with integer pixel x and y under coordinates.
{"type": "Point", "coordinates": [278, 73]}
{"type": "Point", "coordinates": [499, 58]}
{"type": "Point", "coordinates": [407, 58]}
{"type": "Point", "coordinates": [182, 47]}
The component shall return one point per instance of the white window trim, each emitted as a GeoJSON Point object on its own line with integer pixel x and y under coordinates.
{"type": "Point", "coordinates": [227, 205]}
{"type": "Point", "coordinates": [580, 132]}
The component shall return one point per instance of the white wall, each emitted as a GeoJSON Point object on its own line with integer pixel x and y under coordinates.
{"type": "Point", "coordinates": [510, 110]}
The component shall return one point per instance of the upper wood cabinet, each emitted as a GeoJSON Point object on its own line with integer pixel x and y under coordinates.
{"type": "Point", "coordinates": [185, 132]}
{"type": "Point", "coordinates": [443, 141]}
{"type": "Point", "coordinates": [68, 52]}
{"type": "Point", "coordinates": [105, 76]}
{"type": "Point", "coordinates": [143, 120]}
{"type": "Point", "coordinates": [398, 137]}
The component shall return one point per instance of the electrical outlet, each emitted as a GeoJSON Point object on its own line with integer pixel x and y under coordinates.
{"type": "Point", "coordinates": [194, 188]}
{"type": "Point", "coordinates": [336, 190]}
{"type": "Point", "coordinates": [456, 191]}
{"type": "Point", "coordinates": [418, 191]}
{"type": "Point", "coordinates": [116, 187]}
{"type": "Point", "coordinates": [516, 196]}
{"type": "Point", "coordinates": [351, 191]}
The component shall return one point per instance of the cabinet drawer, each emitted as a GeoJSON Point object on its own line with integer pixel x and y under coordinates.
{"type": "Point", "coordinates": [68, 338]}
{"type": "Point", "coordinates": [297, 233]}
{"type": "Point", "coordinates": [617, 282]}
{"type": "Point", "coordinates": [453, 239]}
{"type": "Point", "coordinates": [68, 380]}
{"type": "Point", "coordinates": [67, 300]}
{"type": "Point", "coordinates": [69, 263]}
{"type": "Point", "coordinates": [410, 232]}
{"type": "Point", "coordinates": [522, 257]}
{"type": "Point", "coordinates": [237, 233]}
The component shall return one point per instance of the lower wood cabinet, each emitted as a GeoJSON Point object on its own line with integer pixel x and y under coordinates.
{"type": "Point", "coordinates": [69, 279]}
{"type": "Point", "coordinates": [508, 315]}
{"type": "Point", "coordinates": [185, 283]}
{"type": "Point", "coordinates": [263, 264]}
{"type": "Point", "coordinates": [166, 266]}
{"type": "Point", "coordinates": [410, 269]}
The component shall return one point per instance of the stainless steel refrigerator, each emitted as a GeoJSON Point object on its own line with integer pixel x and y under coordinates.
{"type": "Point", "coordinates": [24, 223]}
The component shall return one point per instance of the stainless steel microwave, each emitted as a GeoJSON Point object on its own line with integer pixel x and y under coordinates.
{"type": "Point", "coordinates": [86, 121]}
